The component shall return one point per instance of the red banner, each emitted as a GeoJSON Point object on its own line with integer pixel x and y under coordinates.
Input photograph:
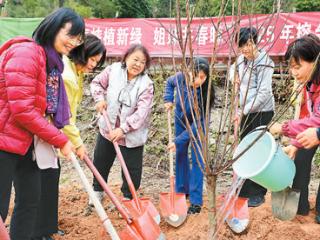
{"type": "Point", "coordinates": [159, 35]}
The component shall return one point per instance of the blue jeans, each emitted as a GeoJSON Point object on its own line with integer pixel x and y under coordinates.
{"type": "Point", "coordinates": [189, 177]}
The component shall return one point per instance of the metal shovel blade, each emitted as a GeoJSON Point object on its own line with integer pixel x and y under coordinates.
{"type": "Point", "coordinates": [146, 206]}
{"type": "Point", "coordinates": [285, 203]}
{"type": "Point", "coordinates": [238, 219]}
{"type": "Point", "coordinates": [140, 224]}
{"type": "Point", "coordinates": [173, 208]}
{"type": "Point", "coordinates": [143, 227]}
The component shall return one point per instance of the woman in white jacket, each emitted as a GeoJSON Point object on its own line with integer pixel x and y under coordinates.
{"type": "Point", "coordinates": [126, 92]}
{"type": "Point", "coordinates": [254, 75]}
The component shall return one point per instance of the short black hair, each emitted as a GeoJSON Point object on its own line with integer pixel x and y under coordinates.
{"type": "Point", "coordinates": [48, 29]}
{"type": "Point", "coordinates": [247, 33]}
{"type": "Point", "coordinates": [92, 46]}
{"type": "Point", "coordinates": [306, 48]}
{"type": "Point", "coordinates": [202, 64]}
{"type": "Point", "coordinates": [132, 49]}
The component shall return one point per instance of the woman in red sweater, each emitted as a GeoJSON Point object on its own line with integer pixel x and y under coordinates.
{"type": "Point", "coordinates": [303, 55]}
{"type": "Point", "coordinates": [25, 98]}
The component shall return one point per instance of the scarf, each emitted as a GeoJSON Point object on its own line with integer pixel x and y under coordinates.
{"type": "Point", "coordinates": [57, 99]}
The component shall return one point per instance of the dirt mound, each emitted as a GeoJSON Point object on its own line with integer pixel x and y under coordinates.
{"type": "Point", "coordinates": [79, 222]}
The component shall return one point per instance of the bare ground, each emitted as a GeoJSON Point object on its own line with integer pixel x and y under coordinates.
{"type": "Point", "coordinates": [81, 223]}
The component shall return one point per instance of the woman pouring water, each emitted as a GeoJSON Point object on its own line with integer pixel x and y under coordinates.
{"type": "Point", "coordinates": [303, 58]}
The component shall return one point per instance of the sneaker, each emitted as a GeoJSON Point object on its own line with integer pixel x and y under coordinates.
{"type": "Point", "coordinates": [256, 201]}
{"type": "Point", "coordinates": [60, 232]}
{"type": "Point", "coordinates": [193, 209]}
{"type": "Point", "coordinates": [238, 225]}
{"type": "Point", "coordinates": [126, 197]}
{"type": "Point", "coordinates": [100, 195]}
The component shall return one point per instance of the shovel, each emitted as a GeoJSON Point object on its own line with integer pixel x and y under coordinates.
{"type": "Point", "coordinates": [136, 205]}
{"type": "Point", "coordinates": [3, 231]}
{"type": "Point", "coordinates": [173, 206]}
{"type": "Point", "coordinates": [285, 203]}
{"type": "Point", "coordinates": [239, 210]}
{"type": "Point", "coordinates": [234, 210]}
{"type": "Point", "coordinates": [99, 208]}
{"type": "Point", "coordinates": [140, 225]}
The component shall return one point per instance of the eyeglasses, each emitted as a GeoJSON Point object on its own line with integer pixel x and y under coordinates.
{"type": "Point", "coordinates": [75, 41]}
{"type": "Point", "coordinates": [246, 45]}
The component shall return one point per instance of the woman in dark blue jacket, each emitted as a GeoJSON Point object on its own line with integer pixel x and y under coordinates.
{"type": "Point", "coordinates": [189, 179]}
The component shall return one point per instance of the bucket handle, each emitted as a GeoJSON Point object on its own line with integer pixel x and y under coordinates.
{"type": "Point", "coordinates": [263, 127]}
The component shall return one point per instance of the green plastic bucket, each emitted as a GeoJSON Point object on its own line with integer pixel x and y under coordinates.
{"type": "Point", "coordinates": [264, 162]}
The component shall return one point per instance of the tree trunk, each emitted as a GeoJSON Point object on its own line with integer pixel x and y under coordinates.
{"type": "Point", "coordinates": [212, 211]}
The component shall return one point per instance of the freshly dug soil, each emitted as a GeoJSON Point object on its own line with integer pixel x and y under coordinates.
{"type": "Point", "coordinates": [80, 223]}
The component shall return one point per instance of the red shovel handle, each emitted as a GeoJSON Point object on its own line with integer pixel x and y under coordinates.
{"type": "Point", "coordinates": [123, 165]}
{"type": "Point", "coordinates": [107, 190]}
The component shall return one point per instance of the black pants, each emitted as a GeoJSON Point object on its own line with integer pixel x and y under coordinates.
{"type": "Point", "coordinates": [303, 162]}
{"type": "Point", "coordinates": [104, 155]}
{"type": "Point", "coordinates": [47, 215]}
{"type": "Point", "coordinates": [25, 176]}
{"type": "Point", "coordinates": [248, 123]}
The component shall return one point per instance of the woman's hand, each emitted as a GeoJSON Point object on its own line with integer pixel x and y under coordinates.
{"type": "Point", "coordinates": [276, 129]}
{"type": "Point", "coordinates": [67, 149]}
{"type": "Point", "coordinates": [171, 147]}
{"type": "Point", "coordinates": [100, 106]}
{"type": "Point", "coordinates": [81, 151]}
{"type": "Point", "coordinates": [290, 151]}
{"type": "Point", "coordinates": [116, 134]}
{"type": "Point", "coordinates": [308, 138]}
{"type": "Point", "coordinates": [168, 106]}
